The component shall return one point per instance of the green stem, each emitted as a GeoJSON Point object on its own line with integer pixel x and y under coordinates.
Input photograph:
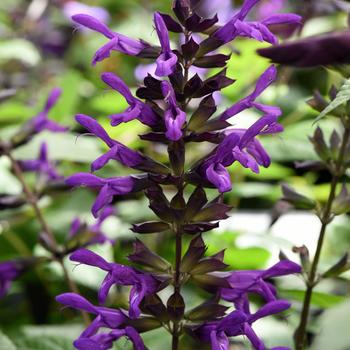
{"type": "Point", "coordinates": [326, 218]}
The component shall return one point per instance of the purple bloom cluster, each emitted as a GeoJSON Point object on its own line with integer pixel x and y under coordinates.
{"type": "Point", "coordinates": [164, 103]}
{"type": "Point", "coordinates": [106, 318]}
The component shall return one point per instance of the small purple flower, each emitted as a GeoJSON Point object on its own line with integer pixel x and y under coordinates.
{"type": "Point", "coordinates": [44, 168]}
{"type": "Point", "coordinates": [9, 271]}
{"type": "Point", "coordinates": [105, 318]}
{"type": "Point", "coordinates": [242, 146]}
{"type": "Point", "coordinates": [118, 151]}
{"type": "Point", "coordinates": [41, 121]}
{"type": "Point", "coordinates": [174, 117]}
{"type": "Point", "coordinates": [99, 237]}
{"type": "Point", "coordinates": [142, 283]}
{"type": "Point", "coordinates": [229, 32]}
{"type": "Point", "coordinates": [260, 30]}
{"type": "Point", "coordinates": [238, 323]}
{"type": "Point", "coordinates": [255, 30]}
{"type": "Point", "coordinates": [245, 282]}
{"type": "Point", "coordinates": [266, 79]}
{"type": "Point", "coordinates": [137, 110]}
{"type": "Point", "coordinates": [117, 42]}
{"type": "Point", "coordinates": [167, 60]}
{"type": "Point", "coordinates": [110, 187]}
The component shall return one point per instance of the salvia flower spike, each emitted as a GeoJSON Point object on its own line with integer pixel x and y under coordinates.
{"type": "Point", "coordinates": [178, 107]}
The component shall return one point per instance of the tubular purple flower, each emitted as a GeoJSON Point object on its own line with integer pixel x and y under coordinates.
{"type": "Point", "coordinates": [41, 121]}
{"type": "Point", "coordinates": [174, 117]}
{"type": "Point", "coordinates": [238, 323]}
{"type": "Point", "coordinates": [109, 187]}
{"type": "Point", "coordinates": [265, 80]}
{"type": "Point", "coordinates": [42, 166]}
{"type": "Point", "coordinates": [105, 318]}
{"type": "Point", "coordinates": [260, 30]}
{"type": "Point", "coordinates": [118, 42]}
{"type": "Point", "coordinates": [244, 282]}
{"type": "Point", "coordinates": [142, 283]}
{"type": "Point", "coordinates": [242, 146]}
{"type": "Point", "coordinates": [228, 32]}
{"type": "Point", "coordinates": [118, 151]}
{"type": "Point", "coordinates": [137, 110]}
{"type": "Point", "coordinates": [167, 60]}
{"type": "Point", "coordinates": [218, 175]}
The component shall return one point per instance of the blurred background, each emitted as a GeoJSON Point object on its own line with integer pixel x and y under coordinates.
{"type": "Point", "coordinates": [40, 49]}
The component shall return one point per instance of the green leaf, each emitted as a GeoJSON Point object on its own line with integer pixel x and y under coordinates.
{"type": "Point", "coordinates": [334, 325]}
{"type": "Point", "coordinates": [322, 300]}
{"type": "Point", "coordinates": [342, 97]}
{"type": "Point", "coordinates": [21, 50]}
{"type": "Point", "coordinates": [6, 343]}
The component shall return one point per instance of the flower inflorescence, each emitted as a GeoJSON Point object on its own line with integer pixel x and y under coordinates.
{"type": "Point", "coordinates": [178, 107]}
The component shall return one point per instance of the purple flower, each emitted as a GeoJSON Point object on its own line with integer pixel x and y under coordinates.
{"type": "Point", "coordinates": [108, 188]}
{"type": "Point", "coordinates": [266, 79]}
{"type": "Point", "coordinates": [245, 282]}
{"type": "Point", "coordinates": [104, 341]}
{"type": "Point", "coordinates": [41, 121]}
{"type": "Point", "coordinates": [174, 117]}
{"type": "Point", "coordinates": [9, 271]}
{"type": "Point", "coordinates": [229, 31]}
{"type": "Point", "coordinates": [260, 30]}
{"type": "Point", "coordinates": [118, 151]}
{"type": "Point", "coordinates": [42, 166]}
{"type": "Point", "coordinates": [242, 146]}
{"type": "Point", "coordinates": [238, 323]}
{"type": "Point", "coordinates": [117, 42]}
{"type": "Point", "coordinates": [142, 283]}
{"type": "Point", "coordinates": [167, 60]}
{"type": "Point", "coordinates": [255, 30]}
{"type": "Point", "coordinates": [99, 237]}
{"type": "Point", "coordinates": [137, 110]}
{"type": "Point", "coordinates": [105, 318]}
{"type": "Point", "coordinates": [72, 8]}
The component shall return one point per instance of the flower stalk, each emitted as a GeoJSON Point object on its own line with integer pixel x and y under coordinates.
{"type": "Point", "coordinates": [326, 217]}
